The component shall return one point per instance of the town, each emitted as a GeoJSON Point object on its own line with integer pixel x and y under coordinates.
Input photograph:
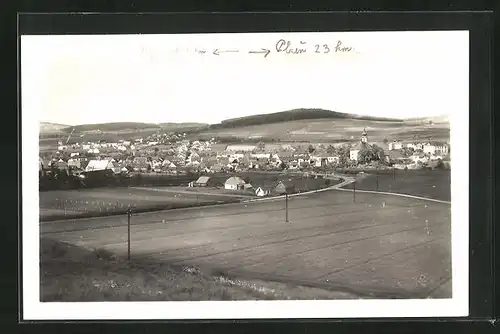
{"type": "Point", "coordinates": [174, 154]}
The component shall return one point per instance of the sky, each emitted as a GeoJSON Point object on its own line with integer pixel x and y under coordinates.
{"type": "Point", "coordinates": [162, 78]}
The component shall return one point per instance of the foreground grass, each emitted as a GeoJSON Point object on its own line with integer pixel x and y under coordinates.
{"type": "Point", "coordinates": [71, 273]}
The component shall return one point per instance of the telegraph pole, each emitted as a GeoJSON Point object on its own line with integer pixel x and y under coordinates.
{"type": "Point", "coordinates": [354, 192]}
{"type": "Point", "coordinates": [128, 243]}
{"type": "Point", "coordinates": [286, 207]}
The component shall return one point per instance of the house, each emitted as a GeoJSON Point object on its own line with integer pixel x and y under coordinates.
{"type": "Point", "coordinates": [361, 145]}
{"type": "Point", "coordinates": [436, 148]}
{"type": "Point", "coordinates": [284, 187]}
{"type": "Point", "coordinates": [201, 182]}
{"type": "Point", "coordinates": [234, 183]}
{"type": "Point", "coordinates": [419, 158]}
{"type": "Point", "coordinates": [395, 145]}
{"type": "Point", "coordinates": [74, 163]}
{"type": "Point", "coordinates": [394, 156]}
{"type": "Point", "coordinates": [261, 192]}
{"type": "Point", "coordinates": [415, 146]}
{"type": "Point", "coordinates": [101, 165]}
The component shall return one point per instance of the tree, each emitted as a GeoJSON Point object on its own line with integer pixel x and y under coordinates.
{"type": "Point", "coordinates": [386, 141]}
{"type": "Point", "coordinates": [331, 149]}
{"type": "Point", "coordinates": [366, 155]}
{"type": "Point", "coordinates": [379, 152]}
{"type": "Point", "coordinates": [310, 149]}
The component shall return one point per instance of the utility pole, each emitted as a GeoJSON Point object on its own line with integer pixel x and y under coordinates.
{"type": "Point", "coordinates": [129, 213]}
{"type": "Point", "coordinates": [286, 207]}
{"type": "Point", "coordinates": [354, 192]}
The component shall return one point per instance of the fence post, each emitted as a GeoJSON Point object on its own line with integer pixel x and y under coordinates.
{"type": "Point", "coordinates": [128, 243]}
{"type": "Point", "coordinates": [393, 173]}
{"type": "Point", "coordinates": [377, 182]}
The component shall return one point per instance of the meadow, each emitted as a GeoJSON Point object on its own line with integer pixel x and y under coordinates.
{"type": "Point", "coordinates": [72, 273]}
{"type": "Point", "coordinates": [433, 184]}
{"type": "Point", "coordinates": [378, 246]}
{"type": "Point", "coordinates": [65, 204]}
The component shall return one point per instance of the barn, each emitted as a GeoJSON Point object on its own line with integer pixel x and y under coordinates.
{"type": "Point", "coordinates": [234, 183]}
{"type": "Point", "coordinates": [97, 165]}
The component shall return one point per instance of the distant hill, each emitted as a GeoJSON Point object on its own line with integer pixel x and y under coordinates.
{"type": "Point", "coordinates": [177, 127]}
{"type": "Point", "coordinates": [318, 125]}
{"type": "Point", "coordinates": [47, 127]}
{"type": "Point", "coordinates": [132, 126]}
{"type": "Point", "coordinates": [111, 127]}
{"type": "Point", "coordinates": [293, 115]}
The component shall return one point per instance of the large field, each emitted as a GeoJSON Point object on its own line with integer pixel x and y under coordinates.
{"type": "Point", "coordinates": [61, 204]}
{"type": "Point", "coordinates": [379, 246]}
{"type": "Point", "coordinates": [328, 130]}
{"type": "Point", "coordinates": [431, 184]}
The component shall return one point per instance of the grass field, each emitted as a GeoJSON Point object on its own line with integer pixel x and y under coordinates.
{"type": "Point", "coordinates": [72, 273]}
{"type": "Point", "coordinates": [431, 184]}
{"type": "Point", "coordinates": [378, 246]}
{"type": "Point", "coordinates": [63, 204]}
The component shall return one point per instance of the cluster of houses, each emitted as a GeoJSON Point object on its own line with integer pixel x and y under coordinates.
{"type": "Point", "coordinates": [236, 183]}
{"type": "Point", "coordinates": [145, 156]}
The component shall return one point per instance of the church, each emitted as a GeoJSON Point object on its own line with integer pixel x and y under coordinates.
{"type": "Point", "coordinates": [363, 144]}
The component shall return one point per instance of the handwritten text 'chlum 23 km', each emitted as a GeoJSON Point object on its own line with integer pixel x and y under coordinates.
{"type": "Point", "coordinates": [285, 46]}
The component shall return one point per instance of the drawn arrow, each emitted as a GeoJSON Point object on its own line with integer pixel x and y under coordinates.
{"type": "Point", "coordinates": [262, 50]}
{"type": "Point", "coordinates": [218, 52]}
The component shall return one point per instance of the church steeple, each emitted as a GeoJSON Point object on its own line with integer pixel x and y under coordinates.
{"type": "Point", "coordinates": [364, 136]}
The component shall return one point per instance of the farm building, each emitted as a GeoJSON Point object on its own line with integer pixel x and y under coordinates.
{"type": "Point", "coordinates": [201, 182]}
{"type": "Point", "coordinates": [261, 192]}
{"type": "Point", "coordinates": [234, 183]}
{"type": "Point", "coordinates": [98, 165]}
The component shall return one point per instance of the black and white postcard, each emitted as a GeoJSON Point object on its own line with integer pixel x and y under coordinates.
{"type": "Point", "coordinates": [257, 175]}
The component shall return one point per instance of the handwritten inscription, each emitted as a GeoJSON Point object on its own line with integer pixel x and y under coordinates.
{"type": "Point", "coordinates": [285, 46]}
{"type": "Point", "coordinates": [282, 46]}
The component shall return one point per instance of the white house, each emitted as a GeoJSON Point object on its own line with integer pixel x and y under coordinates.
{"type": "Point", "coordinates": [97, 165]}
{"type": "Point", "coordinates": [234, 183]}
{"type": "Point", "coordinates": [74, 163]}
{"type": "Point", "coordinates": [262, 192]}
{"type": "Point", "coordinates": [436, 148]}
{"type": "Point", "coordinates": [415, 146]}
{"type": "Point", "coordinates": [395, 145]}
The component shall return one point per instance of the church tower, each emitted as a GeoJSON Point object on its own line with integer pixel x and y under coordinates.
{"type": "Point", "coordinates": [364, 137]}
